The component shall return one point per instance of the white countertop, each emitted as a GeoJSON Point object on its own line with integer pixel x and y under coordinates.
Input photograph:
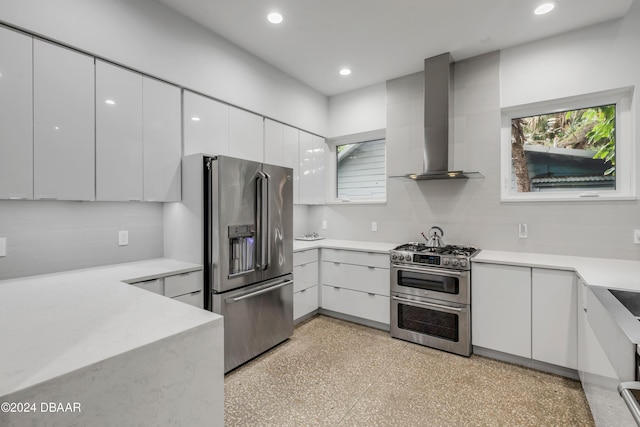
{"type": "Point", "coordinates": [56, 323]}
{"type": "Point", "coordinates": [353, 245]}
{"type": "Point", "coordinates": [606, 272]}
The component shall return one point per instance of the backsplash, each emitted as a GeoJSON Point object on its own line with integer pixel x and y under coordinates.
{"type": "Point", "coordinates": [52, 236]}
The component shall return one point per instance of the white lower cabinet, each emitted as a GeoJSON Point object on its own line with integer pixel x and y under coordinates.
{"type": "Point", "coordinates": [154, 285]}
{"type": "Point", "coordinates": [554, 321]}
{"type": "Point", "coordinates": [501, 308]}
{"type": "Point", "coordinates": [305, 302]}
{"type": "Point", "coordinates": [305, 283]}
{"type": "Point", "coordinates": [364, 305]}
{"type": "Point", "coordinates": [183, 287]}
{"type": "Point", "coordinates": [356, 283]}
{"type": "Point", "coordinates": [527, 312]}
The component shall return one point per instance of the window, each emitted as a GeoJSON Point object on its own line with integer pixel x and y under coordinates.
{"type": "Point", "coordinates": [359, 168]}
{"type": "Point", "coordinates": [571, 149]}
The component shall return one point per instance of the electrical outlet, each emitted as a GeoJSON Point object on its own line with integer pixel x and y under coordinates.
{"type": "Point", "coordinates": [374, 226]}
{"type": "Point", "coordinates": [636, 237]}
{"type": "Point", "coordinates": [3, 246]}
{"type": "Point", "coordinates": [123, 238]}
{"type": "Point", "coordinates": [522, 231]}
{"type": "Point", "coordinates": [324, 224]}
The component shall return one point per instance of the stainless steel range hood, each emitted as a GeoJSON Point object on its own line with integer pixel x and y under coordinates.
{"type": "Point", "coordinates": [438, 109]}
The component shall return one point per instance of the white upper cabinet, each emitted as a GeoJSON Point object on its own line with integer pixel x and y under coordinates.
{"type": "Point", "coordinates": [16, 115]}
{"type": "Point", "coordinates": [311, 151]}
{"type": "Point", "coordinates": [206, 125]}
{"type": "Point", "coordinates": [291, 136]}
{"type": "Point", "coordinates": [246, 135]}
{"type": "Point", "coordinates": [273, 142]}
{"type": "Point", "coordinates": [319, 150]}
{"type": "Point", "coordinates": [305, 182]}
{"type": "Point", "coordinates": [118, 107]}
{"type": "Point", "coordinates": [281, 148]}
{"type": "Point", "coordinates": [162, 149]}
{"type": "Point", "coordinates": [63, 109]}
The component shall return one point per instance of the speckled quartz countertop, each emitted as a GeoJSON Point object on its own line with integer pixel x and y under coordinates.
{"type": "Point", "coordinates": [354, 245]}
{"type": "Point", "coordinates": [610, 273]}
{"type": "Point", "coordinates": [57, 323]}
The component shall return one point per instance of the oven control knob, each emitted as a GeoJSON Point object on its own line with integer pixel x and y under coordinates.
{"type": "Point", "coordinates": [463, 263]}
{"type": "Point", "coordinates": [454, 262]}
{"type": "Point", "coordinates": [445, 261]}
{"type": "Point", "coordinates": [394, 256]}
{"type": "Point", "coordinates": [407, 257]}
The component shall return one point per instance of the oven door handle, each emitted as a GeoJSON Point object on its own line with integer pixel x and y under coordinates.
{"type": "Point", "coordinates": [428, 304]}
{"type": "Point", "coordinates": [438, 271]}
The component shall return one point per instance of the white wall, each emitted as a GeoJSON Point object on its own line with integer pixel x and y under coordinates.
{"type": "Point", "coordinates": [149, 37]}
{"type": "Point", "coordinates": [51, 236]}
{"type": "Point", "coordinates": [471, 212]}
{"type": "Point", "coordinates": [358, 111]}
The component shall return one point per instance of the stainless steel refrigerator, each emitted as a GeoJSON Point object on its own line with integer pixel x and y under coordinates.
{"type": "Point", "coordinates": [248, 251]}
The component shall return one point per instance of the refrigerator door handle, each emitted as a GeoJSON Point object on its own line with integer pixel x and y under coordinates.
{"type": "Point", "coordinates": [267, 221]}
{"type": "Point", "coordinates": [259, 216]}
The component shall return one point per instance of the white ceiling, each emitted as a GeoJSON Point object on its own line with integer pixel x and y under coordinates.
{"type": "Point", "coordinates": [383, 39]}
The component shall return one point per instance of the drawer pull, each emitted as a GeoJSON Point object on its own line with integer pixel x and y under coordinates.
{"type": "Point", "coordinates": [336, 287]}
{"type": "Point", "coordinates": [303, 291]}
{"type": "Point", "coordinates": [371, 294]}
{"type": "Point", "coordinates": [336, 262]}
{"type": "Point", "coordinates": [371, 267]}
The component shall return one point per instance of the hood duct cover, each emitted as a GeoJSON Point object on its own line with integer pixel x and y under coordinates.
{"type": "Point", "coordinates": [438, 108]}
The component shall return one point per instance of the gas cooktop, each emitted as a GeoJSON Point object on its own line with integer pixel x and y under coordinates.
{"type": "Point", "coordinates": [449, 256]}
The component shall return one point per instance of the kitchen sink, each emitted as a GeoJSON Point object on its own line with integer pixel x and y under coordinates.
{"type": "Point", "coordinates": [631, 301]}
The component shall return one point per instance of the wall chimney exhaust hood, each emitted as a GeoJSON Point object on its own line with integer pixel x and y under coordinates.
{"type": "Point", "coordinates": [438, 109]}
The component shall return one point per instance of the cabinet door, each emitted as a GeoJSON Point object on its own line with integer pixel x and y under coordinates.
{"type": "Point", "coordinates": [305, 183]}
{"type": "Point", "coordinates": [356, 277]}
{"type": "Point", "coordinates": [63, 114]}
{"type": "Point", "coordinates": [246, 135]}
{"type": "Point", "coordinates": [290, 136]}
{"type": "Point", "coordinates": [305, 301]}
{"type": "Point", "coordinates": [206, 125]}
{"type": "Point", "coordinates": [318, 184]}
{"type": "Point", "coordinates": [154, 285]}
{"type": "Point", "coordinates": [273, 142]}
{"type": "Point", "coordinates": [305, 276]}
{"type": "Point", "coordinates": [359, 304]}
{"type": "Point", "coordinates": [501, 308]}
{"type": "Point", "coordinates": [554, 327]}
{"type": "Point", "coordinates": [118, 133]}
{"type": "Point", "coordinates": [162, 149]}
{"type": "Point", "coordinates": [16, 115]}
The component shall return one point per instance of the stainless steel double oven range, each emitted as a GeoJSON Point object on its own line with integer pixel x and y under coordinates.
{"type": "Point", "coordinates": [431, 296]}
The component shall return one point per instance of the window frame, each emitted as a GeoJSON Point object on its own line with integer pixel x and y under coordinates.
{"type": "Point", "coordinates": [625, 146]}
{"type": "Point", "coordinates": [332, 167]}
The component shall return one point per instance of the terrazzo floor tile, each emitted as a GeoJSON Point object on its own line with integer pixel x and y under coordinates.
{"type": "Point", "coordinates": [336, 373]}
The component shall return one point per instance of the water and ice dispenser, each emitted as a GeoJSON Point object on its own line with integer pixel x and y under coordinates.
{"type": "Point", "coordinates": [242, 248]}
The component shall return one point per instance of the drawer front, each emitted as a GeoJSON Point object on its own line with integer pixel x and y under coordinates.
{"type": "Point", "coordinates": [305, 276]}
{"type": "Point", "coordinates": [356, 277]}
{"type": "Point", "coordinates": [305, 301]}
{"type": "Point", "coordinates": [358, 304]}
{"type": "Point", "coordinates": [154, 285]}
{"type": "Point", "coordinates": [181, 284]}
{"type": "Point", "coordinates": [195, 299]}
{"type": "Point", "coordinates": [370, 259]}
{"type": "Point", "coordinates": [304, 257]}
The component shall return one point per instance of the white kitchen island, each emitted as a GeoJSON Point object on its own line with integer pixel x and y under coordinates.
{"type": "Point", "coordinates": [84, 348]}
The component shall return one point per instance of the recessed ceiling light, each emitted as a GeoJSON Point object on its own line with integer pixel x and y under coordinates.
{"type": "Point", "coordinates": [274, 18]}
{"type": "Point", "coordinates": [110, 102]}
{"type": "Point", "coordinates": [195, 119]}
{"type": "Point", "coordinates": [345, 72]}
{"type": "Point", "coordinates": [544, 8]}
